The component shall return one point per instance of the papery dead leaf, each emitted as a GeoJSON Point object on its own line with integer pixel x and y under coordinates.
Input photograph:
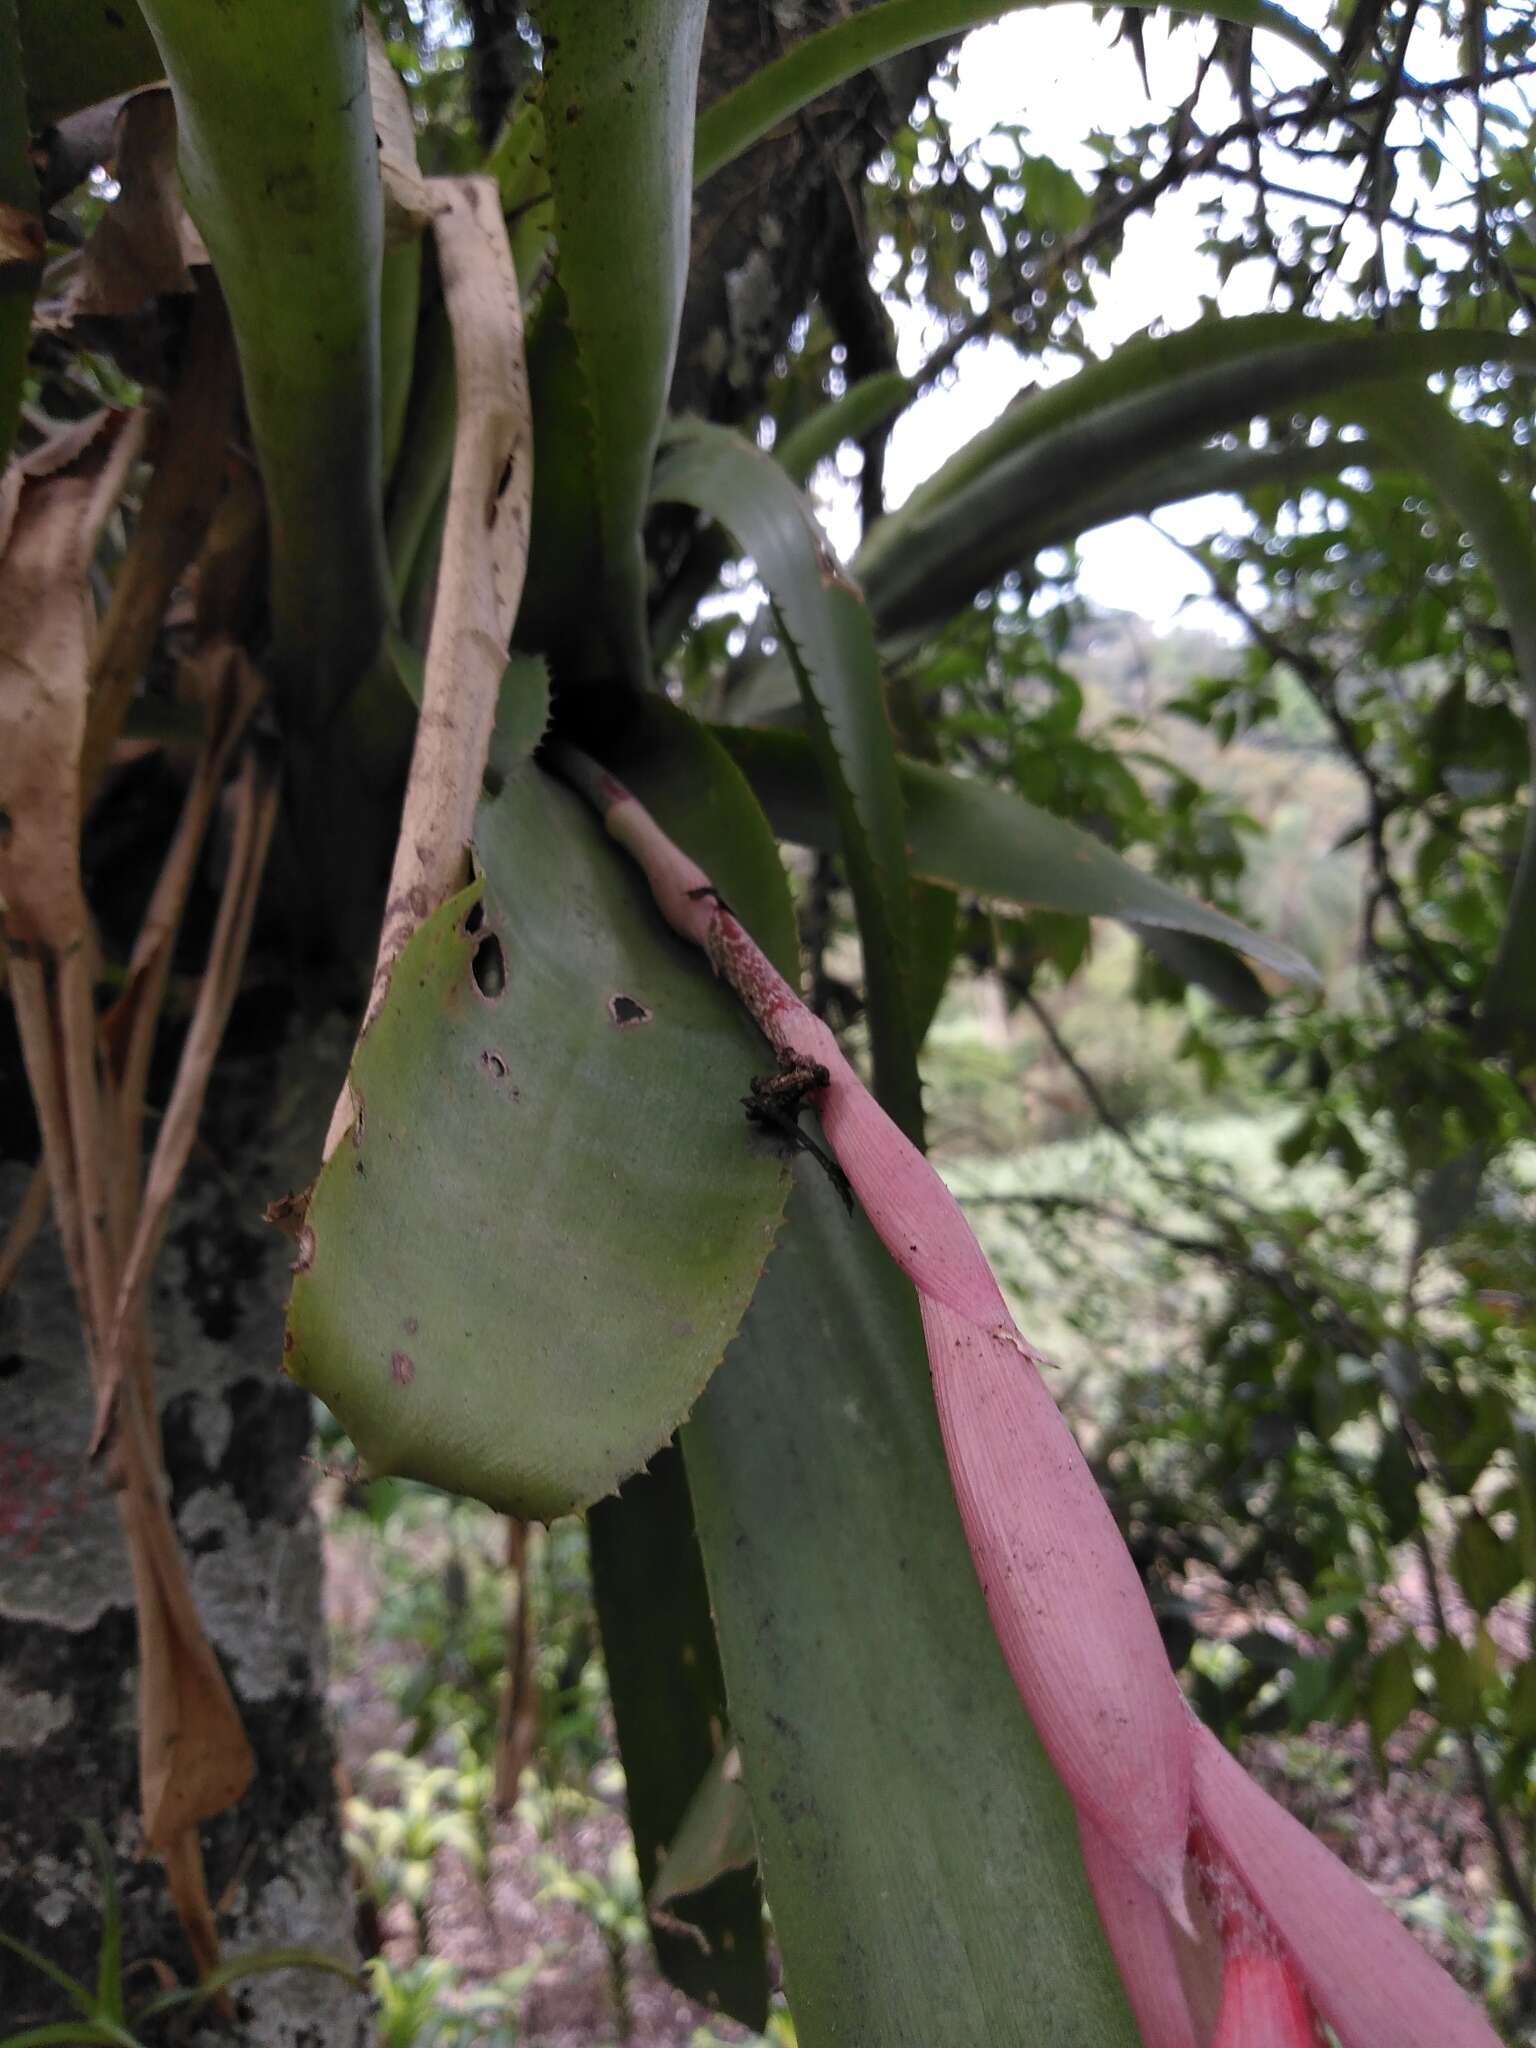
{"type": "Point", "coordinates": [178, 506]}
{"type": "Point", "coordinates": [480, 577]}
{"type": "Point", "coordinates": [144, 244]}
{"type": "Point", "coordinates": [407, 206]}
{"type": "Point", "coordinates": [45, 627]}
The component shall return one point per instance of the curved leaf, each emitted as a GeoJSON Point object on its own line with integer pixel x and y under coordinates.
{"type": "Point", "coordinates": [620, 87]}
{"type": "Point", "coordinates": [863, 406]}
{"type": "Point", "coordinates": [992, 843]}
{"type": "Point", "coordinates": [281, 167]}
{"type": "Point", "coordinates": [853, 44]}
{"type": "Point", "coordinates": [518, 1271]}
{"type": "Point", "coordinates": [996, 498]}
{"type": "Point", "coordinates": [832, 646]}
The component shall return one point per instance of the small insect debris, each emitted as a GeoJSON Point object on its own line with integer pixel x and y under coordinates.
{"type": "Point", "coordinates": [776, 1102]}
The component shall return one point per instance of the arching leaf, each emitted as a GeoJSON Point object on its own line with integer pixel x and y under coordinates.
{"type": "Point", "coordinates": [997, 499]}
{"type": "Point", "coordinates": [832, 647]}
{"type": "Point", "coordinates": [872, 35]}
{"type": "Point", "coordinates": [991, 843]}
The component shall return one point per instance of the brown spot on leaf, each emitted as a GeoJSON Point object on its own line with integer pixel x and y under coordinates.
{"type": "Point", "coordinates": [626, 1012]}
{"type": "Point", "coordinates": [411, 1326]}
{"type": "Point", "coordinates": [494, 1064]}
{"type": "Point", "coordinates": [401, 1370]}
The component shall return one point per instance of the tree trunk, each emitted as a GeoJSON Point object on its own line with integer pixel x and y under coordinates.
{"type": "Point", "coordinates": [235, 1431]}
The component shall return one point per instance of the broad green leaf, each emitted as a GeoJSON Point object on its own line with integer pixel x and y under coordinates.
{"type": "Point", "coordinates": [80, 51]}
{"type": "Point", "coordinates": [519, 1269]}
{"type": "Point", "coordinates": [831, 644]}
{"type": "Point", "coordinates": [1486, 1566]}
{"type": "Point", "coordinates": [920, 1856]}
{"type": "Point", "coordinates": [1391, 1694]}
{"type": "Point", "coordinates": [991, 843]}
{"type": "Point", "coordinates": [852, 44]}
{"type": "Point", "coordinates": [669, 1710]}
{"type": "Point", "coordinates": [1456, 1685]}
{"type": "Point", "coordinates": [998, 497]}
{"type": "Point", "coordinates": [280, 164]}
{"type": "Point", "coordinates": [22, 242]}
{"type": "Point", "coordinates": [619, 94]}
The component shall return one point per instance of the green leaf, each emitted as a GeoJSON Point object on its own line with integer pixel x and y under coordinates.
{"type": "Point", "coordinates": [1486, 1567]}
{"type": "Point", "coordinates": [1456, 1688]}
{"type": "Point", "coordinates": [517, 1273]}
{"type": "Point", "coordinates": [619, 92]}
{"type": "Point", "coordinates": [991, 843]}
{"type": "Point", "coordinates": [1395, 1484]}
{"type": "Point", "coordinates": [868, 404]}
{"type": "Point", "coordinates": [280, 164]}
{"type": "Point", "coordinates": [920, 1856]}
{"type": "Point", "coordinates": [824, 60]}
{"type": "Point", "coordinates": [999, 497]}
{"type": "Point", "coordinates": [109, 1961]}
{"type": "Point", "coordinates": [1522, 1702]}
{"type": "Point", "coordinates": [79, 52]}
{"type": "Point", "coordinates": [831, 644]}
{"type": "Point", "coordinates": [73, 1990]}
{"type": "Point", "coordinates": [669, 1709]}
{"type": "Point", "coordinates": [1391, 1693]}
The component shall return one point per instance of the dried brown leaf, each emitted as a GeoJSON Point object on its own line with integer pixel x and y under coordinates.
{"type": "Point", "coordinates": [45, 626]}
{"type": "Point", "coordinates": [255, 816]}
{"type": "Point", "coordinates": [480, 578]}
{"type": "Point", "coordinates": [144, 244]}
{"type": "Point", "coordinates": [407, 208]}
{"type": "Point", "coordinates": [173, 520]}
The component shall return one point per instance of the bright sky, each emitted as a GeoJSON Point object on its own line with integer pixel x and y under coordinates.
{"type": "Point", "coordinates": [1056, 69]}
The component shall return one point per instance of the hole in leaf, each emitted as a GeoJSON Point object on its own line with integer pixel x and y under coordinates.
{"type": "Point", "coordinates": [626, 1012]}
{"type": "Point", "coordinates": [474, 917]}
{"type": "Point", "coordinates": [494, 1064]}
{"type": "Point", "coordinates": [489, 967]}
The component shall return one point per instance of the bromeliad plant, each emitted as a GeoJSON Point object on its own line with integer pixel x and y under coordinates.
{"type": "Point", "coordinates": [546, 1260]}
